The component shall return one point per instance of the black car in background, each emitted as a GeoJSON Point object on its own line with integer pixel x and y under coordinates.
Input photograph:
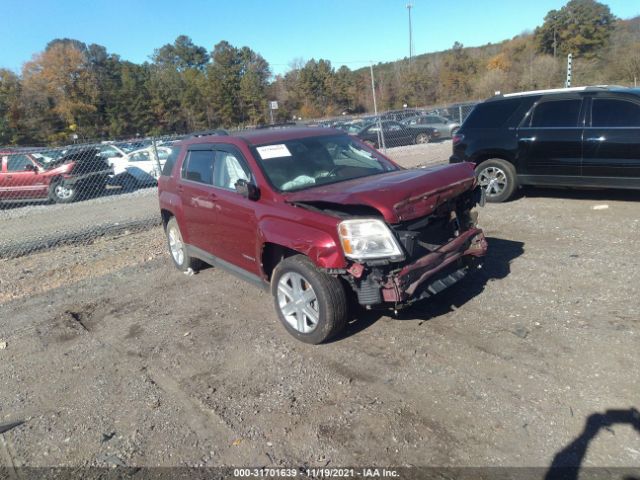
{"type": "Point", "coordinates": [396, 134]}
{"type": "Point", "coordinates": [571, 137]}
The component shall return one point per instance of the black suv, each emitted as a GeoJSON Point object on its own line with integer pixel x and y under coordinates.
{"type": "Point", "coordinates": [570, 137]}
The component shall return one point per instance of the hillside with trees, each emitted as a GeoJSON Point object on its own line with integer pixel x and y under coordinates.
{"type": "Point", "coordinates": [74, 88]}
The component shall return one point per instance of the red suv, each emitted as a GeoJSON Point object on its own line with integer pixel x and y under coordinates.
{"type": "Point", "coordinates": [33, 176]}
{"type": "Point", "coordinates": [316, 215]}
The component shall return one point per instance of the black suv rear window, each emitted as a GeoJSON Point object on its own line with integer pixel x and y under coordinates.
{"type": "Point", "coordinates": [492, 114]}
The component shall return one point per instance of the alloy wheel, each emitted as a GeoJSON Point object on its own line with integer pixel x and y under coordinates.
{"type": "Point", "coordinates": [298, 302]}
{"type": "Point", "coordinates": [493, 180]}
{"type": "Point", "coordinates": [176, 246]}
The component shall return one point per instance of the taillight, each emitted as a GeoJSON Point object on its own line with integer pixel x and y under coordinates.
{"type": "Point", "coordinates": [457, 138]}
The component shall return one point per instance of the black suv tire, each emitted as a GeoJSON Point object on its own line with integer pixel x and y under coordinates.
{"type": "Point", "coordinates": [498, 178]}
{"type": "Point", "coordinates": [59, 192]}
{"type": "Point", "coordinates": [298, 284]}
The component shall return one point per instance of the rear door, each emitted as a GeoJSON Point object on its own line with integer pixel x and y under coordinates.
{"type": "Point", "coordinates": [612, 142]}
{"type": "Point", "coordinates": [550, 139]}
{"type": "Point", "coordinates": [195, 187]}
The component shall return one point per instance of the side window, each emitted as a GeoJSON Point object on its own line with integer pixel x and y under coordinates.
{"type": "Point", "coordinates": [198, 166]}
{"type": "Point", "coordinates": [492, 114]}
{"type": "Point", "coordinates": [140, 157]}
{"type": "Point", "coordinates": [171, 161]}
{"type": "Point", "coordinates": [393, 127]}
{"type": "Point", "coordinates": [229, 169]}
{"type": "Point", "coordinates": [17, 163]}
{"type": "Point", "coordinates": [614, 113]}
{"type": "Point", "coordinates": [559, 113]}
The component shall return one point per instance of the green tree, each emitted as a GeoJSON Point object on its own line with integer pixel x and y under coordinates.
{"type": "Point", "coordinates": [183, 54]}
{"type": "Point", "coordinates": [581, 27]}
{"type": "Point", "coordinates": [9, 107]}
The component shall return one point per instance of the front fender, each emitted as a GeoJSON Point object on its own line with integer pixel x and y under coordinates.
{"type": "Point", "coordinates": [322, 248]}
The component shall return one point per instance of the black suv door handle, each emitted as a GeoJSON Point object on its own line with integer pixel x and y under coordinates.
{"type": "Point", "coordinates": [528, 139]}
{"type": "Point", "coordinates": [596, 139]}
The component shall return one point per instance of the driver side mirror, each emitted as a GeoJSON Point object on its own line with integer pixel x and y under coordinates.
{"type": "Point", "coordinates": [247, 189]}
{"type": "Point", "coordinates": [30, 167]}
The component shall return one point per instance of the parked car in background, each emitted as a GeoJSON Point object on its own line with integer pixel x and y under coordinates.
{"type": "Point", "coordinates": [569, 137]}
{"type": "Point", "coordinates": [139, 168]}
{"type": "Point", "coordinates": [445, 127]}
{"type": "Point", "coordinates": [28, 176]}
{"type": "Point", "coordinates": [315, 216]}
{"type": "Point", "coordinates": [396, 134]}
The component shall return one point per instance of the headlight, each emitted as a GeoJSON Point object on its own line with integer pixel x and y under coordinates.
{"type": "Point", "coordinates": [367, 239]}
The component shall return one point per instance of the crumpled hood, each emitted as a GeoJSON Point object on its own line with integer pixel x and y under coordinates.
{"type": "Point", "coordinates": [399, 196]}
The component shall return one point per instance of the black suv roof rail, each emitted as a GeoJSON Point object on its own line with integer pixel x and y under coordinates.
{"type": "Point", "coordinates": [561, 90]}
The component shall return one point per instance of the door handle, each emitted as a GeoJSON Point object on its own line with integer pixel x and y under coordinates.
{"type": "Point", "coordinates": [528, 139]}
{"type": "Point", "coordinates": [596, 139]}
{"type": "Point", "coordinates": [180, 189]}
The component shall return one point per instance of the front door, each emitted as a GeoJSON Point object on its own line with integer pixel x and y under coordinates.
{"type": "Point", "coordinates": [550, 142]}
{"type": "Point", "coordinates": [236, 235]}
{"type": "Point", "coordinates": [612, 143]}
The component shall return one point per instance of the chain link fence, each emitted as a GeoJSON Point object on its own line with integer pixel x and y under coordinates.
{"type": "Point", "coordinates": [77, 193]}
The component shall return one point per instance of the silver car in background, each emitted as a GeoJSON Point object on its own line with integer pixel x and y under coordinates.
{"type": "Point", "coordinates": [445, 126]}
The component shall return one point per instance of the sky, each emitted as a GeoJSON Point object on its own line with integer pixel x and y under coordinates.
{"type": "Point", "coordinates": [346, 32]}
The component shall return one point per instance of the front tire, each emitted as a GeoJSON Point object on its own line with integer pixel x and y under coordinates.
{"type": "Point", "coordinates": [59, 192]}
{"type": "Point", "coordinates": [311, 305]}
{"type": "Point", "coordinates": [498, 179]}
{"type": "Point", "coordinates": [178, 249]}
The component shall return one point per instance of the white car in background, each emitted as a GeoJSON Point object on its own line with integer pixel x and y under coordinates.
{"type": "Point", "coordinates": [139, 168]}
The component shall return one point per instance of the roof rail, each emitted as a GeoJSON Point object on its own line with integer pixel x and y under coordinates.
{"type": "Point", "coordinates": [276, 125]}
{"type": "Point", "coordinates": [206, 133]}
{"type": "Point", "coordinates": [560, 90]}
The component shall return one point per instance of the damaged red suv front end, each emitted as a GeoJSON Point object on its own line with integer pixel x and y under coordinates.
{"type": "Point", "coordinates": [429, 213]}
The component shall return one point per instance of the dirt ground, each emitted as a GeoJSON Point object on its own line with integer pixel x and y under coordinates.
{"type": "Point", "coordinates": [110, 356]}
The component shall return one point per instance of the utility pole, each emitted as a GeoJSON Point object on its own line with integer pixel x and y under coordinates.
{"type": "Point", "coordinates": [409, 7]}
{"type": "Point", "coordinates": [569, 67]}
{"type": "Point", "coordinates": [375, 110]}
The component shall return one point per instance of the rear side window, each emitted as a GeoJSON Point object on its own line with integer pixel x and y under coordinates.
{"type": "Point", "coordinates": [560, 113]}
{"type": "Point", "coordinates": [198, 166]}
{"type": "Point", "coordinates": [171, 161]}
{"type": "Point", "coordinates": [614, 113]}
{"type": "Point", "coordinates": [492, 114]}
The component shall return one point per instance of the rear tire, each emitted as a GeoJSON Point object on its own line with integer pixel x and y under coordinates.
{"type": "Point", "coordinates": [311, 305]}
{"type": "Point", "coordinates": [178, 250]}
{"type": "Point", "coordinates": [498, 179]}
{"type": "Point", "coordinates": [422, 138]}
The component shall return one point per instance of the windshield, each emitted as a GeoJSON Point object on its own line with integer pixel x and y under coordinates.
{"type": "Point", "coordinates": [307, 162]}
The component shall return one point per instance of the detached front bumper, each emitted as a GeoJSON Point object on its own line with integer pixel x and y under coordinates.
{"type": "Point", "coordinates": [426, 276]}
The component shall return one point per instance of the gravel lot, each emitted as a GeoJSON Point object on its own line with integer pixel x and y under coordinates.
{"type": "Point", "coordinates": [113, 357]}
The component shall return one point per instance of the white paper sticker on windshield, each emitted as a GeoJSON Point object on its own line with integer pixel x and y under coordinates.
{"type": "Point", "coordinates": [273, 151]}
